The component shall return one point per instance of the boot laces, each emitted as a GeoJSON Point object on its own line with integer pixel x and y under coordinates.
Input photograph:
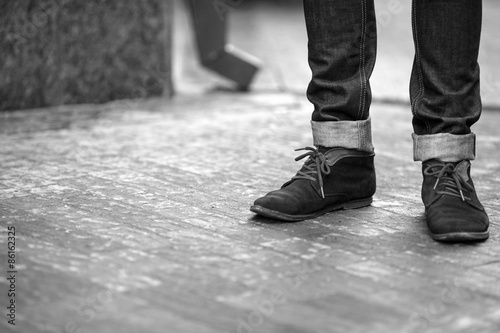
{"type": "Point", "coordinates": [315, 165]}
{"type": "Point", "coordinates": [453, 183]}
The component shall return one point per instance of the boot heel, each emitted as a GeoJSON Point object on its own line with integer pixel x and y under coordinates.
{"type": "Point", "coordinates": [358, 203]}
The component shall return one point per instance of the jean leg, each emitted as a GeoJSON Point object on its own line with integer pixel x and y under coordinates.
{"type": "Point", "coordinates": [444, 86]}
{"type": "Point", "coordinates": [342, 48]}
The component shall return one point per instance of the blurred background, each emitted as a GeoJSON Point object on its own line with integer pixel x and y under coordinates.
{"type": "Point", "coordinates": [55, 52]}
{"type": "Point", "coordinates": [274, 31]}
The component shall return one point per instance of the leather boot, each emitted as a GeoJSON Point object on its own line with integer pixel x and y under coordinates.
{"type": "Point", "coordinates": [453, 211]}
{"type": "Point", "coordinates": [330, 179]}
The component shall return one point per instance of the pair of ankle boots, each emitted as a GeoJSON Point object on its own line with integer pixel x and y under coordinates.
{"type": "Point", "coordinates": [338, 178]}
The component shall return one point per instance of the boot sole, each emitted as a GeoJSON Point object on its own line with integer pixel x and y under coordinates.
{"type": "Point", "coordinates": [354, 204]}
{"type": "Point", "coordinates": [461, 236]}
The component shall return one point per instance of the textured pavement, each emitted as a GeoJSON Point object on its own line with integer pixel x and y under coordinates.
{"type": "Point", "coordinates": [134, 217]}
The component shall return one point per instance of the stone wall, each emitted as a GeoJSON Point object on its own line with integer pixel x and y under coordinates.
{"type": "Point", "coordinates": [56, 52]}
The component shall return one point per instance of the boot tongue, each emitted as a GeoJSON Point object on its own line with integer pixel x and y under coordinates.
{"type": "Point", "coordinates": [334, 154]}
{"type": "Point", "coordinates": [323, 150]}
{"type": "Point", "coordinates": [462, 168]}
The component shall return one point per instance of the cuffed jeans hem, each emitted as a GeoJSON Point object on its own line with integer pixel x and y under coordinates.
{"type": "Point", "coordinates": [444, 146]}
{"type": "Point", "coordinates": [345, 134]}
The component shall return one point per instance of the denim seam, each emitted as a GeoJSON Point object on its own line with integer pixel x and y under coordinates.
{"type": "Point", "coordinates": [360, 137]}
{"type": "Point", "coordinates": [419, 68]}
{"type": "Point", "coordinates": [361, 60]}
{"type": "Point", "coordinates": [365, 19]}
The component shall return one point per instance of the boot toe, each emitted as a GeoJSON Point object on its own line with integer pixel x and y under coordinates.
{"type": "Point", "coordinates": [278, 202]}
{"type": "Point", "coordinates": [457, 221]}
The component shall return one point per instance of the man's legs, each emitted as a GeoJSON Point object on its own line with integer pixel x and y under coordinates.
{"type": "Point", "coordinates": [340, 173]}
{"type": "Point", "coordinates": [446, 101]}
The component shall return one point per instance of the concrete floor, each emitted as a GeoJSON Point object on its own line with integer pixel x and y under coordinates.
{"type": "Point", "coordinates": [133, 217]}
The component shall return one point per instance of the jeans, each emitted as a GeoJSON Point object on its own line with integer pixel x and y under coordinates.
{"type": "Point", "coordinates": [444, 84]}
